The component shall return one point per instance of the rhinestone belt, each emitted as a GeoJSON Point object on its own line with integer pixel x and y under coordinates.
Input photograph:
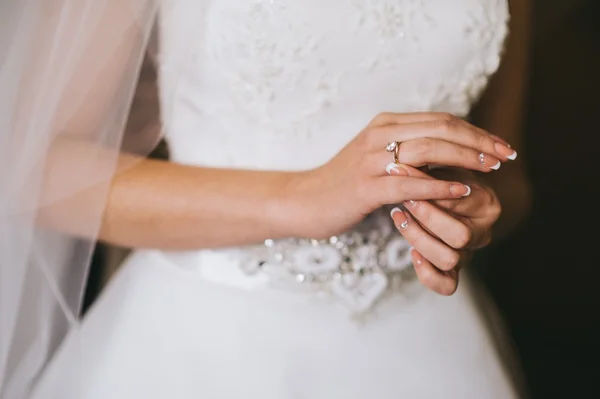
{"type": "Point", "coordinates": [357, 268]}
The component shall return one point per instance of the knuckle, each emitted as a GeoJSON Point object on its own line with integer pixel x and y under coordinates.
{"type": "Point", "coordinates": [481, 142]}
{"type": "Point", "coordinates": [447, 124]}
{"type": "Point", "coordinates": [382, 117]}
{"type": "Point", "coordinates": [462, 238]}
{"type": "Point", "coordinates": [447, 116]}
{"type": "Point", "coordinates": [443, 125]}
{"type": "Point", "coordinates": [370, 138]}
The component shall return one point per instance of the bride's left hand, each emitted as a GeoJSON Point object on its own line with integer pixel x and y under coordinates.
{"type": "Point", "coordinates": [444, 233]}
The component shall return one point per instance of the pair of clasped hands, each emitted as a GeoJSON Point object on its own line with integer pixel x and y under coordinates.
{"type": "Point", "coordinates": [444, 218]}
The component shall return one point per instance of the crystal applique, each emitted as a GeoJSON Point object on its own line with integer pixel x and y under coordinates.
{"type": "Point", "coordinates": [356, 267]}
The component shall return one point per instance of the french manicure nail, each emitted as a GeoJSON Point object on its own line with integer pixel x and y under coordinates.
{"type": "Point", "coordinates": [505, 151]}
{"type": "Point", "coordinates": [400, 225]}
{"type": "Point", "coordinates": [410, 203]}
{"type": "Point", "coordinates": [487, 161]}
{"type": "Point", "coordinates": [460, 190]}
{"type": "Point", "coordinates": [394, 211]}
{"type": "Point", "coordinates": [394, 170]}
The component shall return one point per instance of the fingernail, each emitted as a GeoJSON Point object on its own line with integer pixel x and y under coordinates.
{"type": "Point", "coordinates": [489, 162]}
{"type": "Point", "coordinates": [394, 170]}
{"type": "Point", "coordinates": [505, 151]}
{"type": "Point", "coordinates": [401, 222]}
{"type": "Point", "coordinates": [394, 211]}
{"type": "Point", "coordinates": [416, 256]}
{"type": "Point", "coordinates": [460, 190]}
{"type": "Point", "coordinates": [410, 204]}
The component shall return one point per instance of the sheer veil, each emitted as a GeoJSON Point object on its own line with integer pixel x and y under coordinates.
{"type": "Point", "coordinates": [68, 72]}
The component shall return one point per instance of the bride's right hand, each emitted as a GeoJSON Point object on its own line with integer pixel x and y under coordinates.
{"type": "Point", "coordinates": [334, 197]}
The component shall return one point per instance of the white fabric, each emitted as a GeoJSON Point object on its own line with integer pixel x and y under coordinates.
{"type": "Point", "coordinates": [284, 85]}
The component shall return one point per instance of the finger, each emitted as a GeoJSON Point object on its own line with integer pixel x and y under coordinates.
{"type": "Point", "coordinates": [441, 224]}
{"type": "Point", "coordinates": [439, 254]}
{"type": "Point", "coordinates": [444, 283]}
{"type": "Point", "coordinates": [428, 151]}
{"type": "Point", "coordinates": [388, 191]}
{"type": "Point", "coordinates": [455, 206]}
{"type": "Point", "coordinates": [455, 131]}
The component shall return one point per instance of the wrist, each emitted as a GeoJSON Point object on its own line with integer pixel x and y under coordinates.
{"type": "Point", "coordinates": [287, 207]}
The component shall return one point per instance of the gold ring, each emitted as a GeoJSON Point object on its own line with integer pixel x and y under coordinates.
{"type": "Point", "coordinates": [394, 148]}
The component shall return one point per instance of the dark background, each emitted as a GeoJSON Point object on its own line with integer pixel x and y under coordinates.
{"type": "Point", "coordinates": [546, 277]}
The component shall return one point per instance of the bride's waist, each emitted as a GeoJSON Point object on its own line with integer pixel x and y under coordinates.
{"type": "Point", "coordinates": [357, 266]}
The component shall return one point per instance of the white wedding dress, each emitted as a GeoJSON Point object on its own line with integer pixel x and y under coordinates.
{"type": "Point", "coordinates": [284, 85]}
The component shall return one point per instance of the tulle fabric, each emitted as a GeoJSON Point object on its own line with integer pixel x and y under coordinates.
{"type": "Point", "coordinates": [68, 70]}
{"type": "Point", "coordinates": [162, 330]}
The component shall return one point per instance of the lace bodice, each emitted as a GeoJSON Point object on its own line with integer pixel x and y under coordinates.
{"type": "Point", "coordinates": [285, 84]}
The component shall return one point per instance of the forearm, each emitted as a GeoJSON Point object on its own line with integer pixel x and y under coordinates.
{"type": "Point", "coordinates": [93, 192]}
{"type": "Point", "coordinates": [501, 111]}
{"type": "Point", "coordinates": [156, 204]}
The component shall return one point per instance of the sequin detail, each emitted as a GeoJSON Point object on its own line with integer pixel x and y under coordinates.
{"type": "Point", "coordinates": [357, 268]}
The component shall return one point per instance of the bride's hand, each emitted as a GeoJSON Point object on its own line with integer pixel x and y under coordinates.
{"type": "Point", "coordinates": [444, 233]}
{"type": "Point", "coordinates": [334, 197]}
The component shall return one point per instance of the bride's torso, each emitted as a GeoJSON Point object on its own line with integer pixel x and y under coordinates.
{"type": "Point", "coordinates": [285, 84]}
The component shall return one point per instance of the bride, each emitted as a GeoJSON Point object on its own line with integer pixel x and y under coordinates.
{"type": "Point", "coordinates": [324, 189]}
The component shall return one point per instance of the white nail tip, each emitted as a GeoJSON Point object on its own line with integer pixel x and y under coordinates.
{"type": "Point", "coordinates": [394, 211]}
{"type": "Point", "coordinates": [468, 191]}
{"type": "Point", "coordinates": [513, 156]}
{"type": "Point", "coordinates": [390, 167]}
{"type": "Point", "coordinates": [497, 166]}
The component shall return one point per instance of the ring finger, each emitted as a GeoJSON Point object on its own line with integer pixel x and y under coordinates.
{"type": "Point", "coordinates": [428, 151]}
{"type": "Point", "coordinates": [459, 133]}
